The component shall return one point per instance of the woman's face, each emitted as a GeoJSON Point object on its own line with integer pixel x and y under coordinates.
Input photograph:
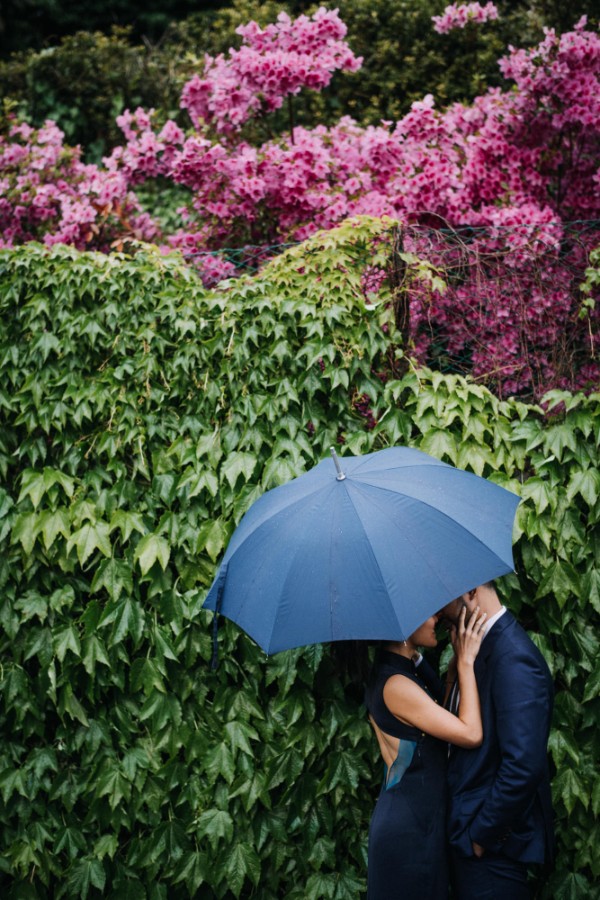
{"type": "Point", "coordinates": [424, 636]}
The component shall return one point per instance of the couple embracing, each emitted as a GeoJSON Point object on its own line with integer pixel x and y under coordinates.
{"type": "Point", "coordinates": [466, 796]}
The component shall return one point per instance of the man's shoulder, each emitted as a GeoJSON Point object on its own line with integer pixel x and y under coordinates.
{"type": "Point", "coordinates": [513, 643]}
{"type": "Point", "coordinates": [508, 629]}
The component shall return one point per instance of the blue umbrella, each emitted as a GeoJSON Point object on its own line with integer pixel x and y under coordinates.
{"type": "Point", "coordinates": [365, 550]}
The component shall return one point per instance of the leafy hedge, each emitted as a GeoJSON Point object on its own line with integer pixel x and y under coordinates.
{"type": "Point", "coordinates": [140, 416]}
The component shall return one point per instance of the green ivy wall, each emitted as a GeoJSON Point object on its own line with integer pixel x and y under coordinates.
{"type": "Point", "coordinates": [140, 416]}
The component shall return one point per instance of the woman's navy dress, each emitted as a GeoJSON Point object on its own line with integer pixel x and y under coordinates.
{"type": "Point", "coordinates": [407, 839]}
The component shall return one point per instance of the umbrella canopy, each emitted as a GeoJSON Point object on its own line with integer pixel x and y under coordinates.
{"type": "Point", "coordinates": [366, 551]}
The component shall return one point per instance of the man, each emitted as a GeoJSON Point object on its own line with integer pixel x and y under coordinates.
{"type": "Point", "coordinates": [500, 811]}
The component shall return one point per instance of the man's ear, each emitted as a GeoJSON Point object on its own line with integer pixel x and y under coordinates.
{"type": "Point", "coordinates": [472, 594]}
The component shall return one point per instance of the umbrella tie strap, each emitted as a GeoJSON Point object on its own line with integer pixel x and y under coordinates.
{"type": "Point", "coordinates": [215, 629]}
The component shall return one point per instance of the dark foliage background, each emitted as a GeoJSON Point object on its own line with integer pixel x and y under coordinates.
{"type": "Point", "coordinates": [35, 24]}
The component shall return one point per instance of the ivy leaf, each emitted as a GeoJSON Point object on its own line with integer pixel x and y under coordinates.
{"type": "Point", "coordinates": [560, 744]}
{"type": "Point", "coordinates": [54, 523]}
{"type": "Point", "coordinates": [194, 870]}
{"type": "Point", "coordinates": [107, 845]}
{"type": "Point", "coordinates": [236, 464]}
{"type": "Point", "coordinates": [439, 444]}
{"type": "Point", "coordinates": [113, 785]}
{"type": "Point", "coordinates": [239, 734]}
{"type": "Point", "coordinates": [72, 841]}
{"type": "Point", "coordinates": [151, 548]}
{"type": "Point", "coordinates": [242, 863]}
{"type": "Point", "coordinates": [567, 786]}
{"type": "Point", "coordinates": [6, 503]}
{"type": "Point", "coordinates": [592, 685]}
{"type": "Point", "coordinates": [127, 522]}
{"type": "Point", "coordinates": [595, 795]}
{"type": "Point", "coordinates": [219, 761]}
{"type": "Point", "coordinates": [342, 770]}
{"type": "Point", "coordinates": [320, 886]}
{"type": "Point", "coordinates": [93, 653]}
{"type": "Point", "coordinates": [586, 484]}
{"type": "Point", "coordinates": [322, 852]}
{"type": "Point", "coordinates": [66, 639]}
{"type": "Point", "coordinates": [25, 530]}
{"type": "Point", "coordinates": [540, 492]}
{"type": "Point", "coordinates": [85, 874]}
{"type": "Point", "coordinates": [55, 476]}
{"type": "Point", "coordinates": [90, 537]}
{"type": "Point", "coordinates": [278, 471]}
{"type": "Point", "coordinates": [557, 438]}
{"type": "Point", "coordinates": [561, 580]}
{"type": "Point", "coordinates": [212, 537]}
{"type": "Point", "coordinates": [215, 824]}
{"type": "Point", "coordinates": [590, 588]}
{"type": "Point", "coordinates": [129, 620]}
{"type": "Point", "coordinates": [114, 575]}
{"type": "Point", "coordinates": [71, 705]}
{"type": "Point", "coordinates": [11, 781]}
{"type": "Point", "coordinates": [573, 886]}
{"type": "Point", "coordinates": [62, 597]}
{"type": "Point", "coordinates": [145, 675]}
{"type": "Point", "coordinates": [32, 486]}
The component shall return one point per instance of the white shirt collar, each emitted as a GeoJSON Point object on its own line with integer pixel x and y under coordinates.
{"type": "Point", "coordinates": [491, 622]}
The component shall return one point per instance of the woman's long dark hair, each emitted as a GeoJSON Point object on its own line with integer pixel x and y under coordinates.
{"type": "Point", "coordinates": [353, 661]}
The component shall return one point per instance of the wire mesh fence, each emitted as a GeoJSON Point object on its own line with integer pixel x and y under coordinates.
{"type": "Point", "coordinates": [510, 312]}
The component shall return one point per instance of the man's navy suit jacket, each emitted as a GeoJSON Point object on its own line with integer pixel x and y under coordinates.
{"type": "Point", "coordinates": [500, 792]}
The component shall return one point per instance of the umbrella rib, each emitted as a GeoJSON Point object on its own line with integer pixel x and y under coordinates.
{"type": "Point", "coordinates": [305, 499]}
{"type": "Point", "coordinates": [376, 561]}
{"type": "Point", "coordinates": [264, 523]}
{"type": "Point", "coordinates": [267, 519]}
{"type": "Point", "coordinates": [298, 550]}
{"type": "Point", "coordinates": [407, 537]}
{"type": "Point", "coordinates": [441, 513]}
{"type": "Point", "coordinates": [393, 467]}
{"type": "Point", "coordinates": [292, 559]}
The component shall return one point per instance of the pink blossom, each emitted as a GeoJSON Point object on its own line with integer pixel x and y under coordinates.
{"type": "Point", "coordinates": [458, 16]}
{"type": "Point", "coordinates": [50, 195]}
{"type": "Point", "coordinates": [271, 64]}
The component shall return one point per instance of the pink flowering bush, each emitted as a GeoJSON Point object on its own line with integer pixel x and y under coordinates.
{"type": "Point", "coordinates": [272, 63]}
{"type": "Point", "coordinates": [459, 16]}
{"type": "Point", "coordinates": [47, 193]}
{"type": "Point", "coordinates": [515, 167]}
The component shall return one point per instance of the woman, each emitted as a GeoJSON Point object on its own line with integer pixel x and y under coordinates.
{"type": "Point", "coordinates": [407, 843]}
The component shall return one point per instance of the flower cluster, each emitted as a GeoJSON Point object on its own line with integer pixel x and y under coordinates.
{"type": "Point", "coordinates": [271, 64]}
{"type": "Point", "coordinates": [47, 193]}
{"type": "Point", "coordinates": [458, 16]}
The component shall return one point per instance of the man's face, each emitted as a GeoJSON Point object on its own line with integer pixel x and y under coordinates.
{"type": "Point", "coordinates": [451, 611]}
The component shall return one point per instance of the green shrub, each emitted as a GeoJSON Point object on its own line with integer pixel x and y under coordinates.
{"type": "Point", "coordinates": [140, 416]}
{"type": "Point", "coordinates": [87, 80]}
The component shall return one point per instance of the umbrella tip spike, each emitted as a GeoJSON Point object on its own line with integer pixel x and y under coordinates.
{"type": "Point", "coordinates": [340, 475]}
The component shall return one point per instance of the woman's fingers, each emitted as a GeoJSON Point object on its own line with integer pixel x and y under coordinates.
{"type": "Point", "coordinates": [477, 621]}
{"type": "Point", "coordinates": [478, 628]}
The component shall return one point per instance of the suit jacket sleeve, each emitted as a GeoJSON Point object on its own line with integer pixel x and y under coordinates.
{"type": "Point", "coordinates": [522, 697]}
